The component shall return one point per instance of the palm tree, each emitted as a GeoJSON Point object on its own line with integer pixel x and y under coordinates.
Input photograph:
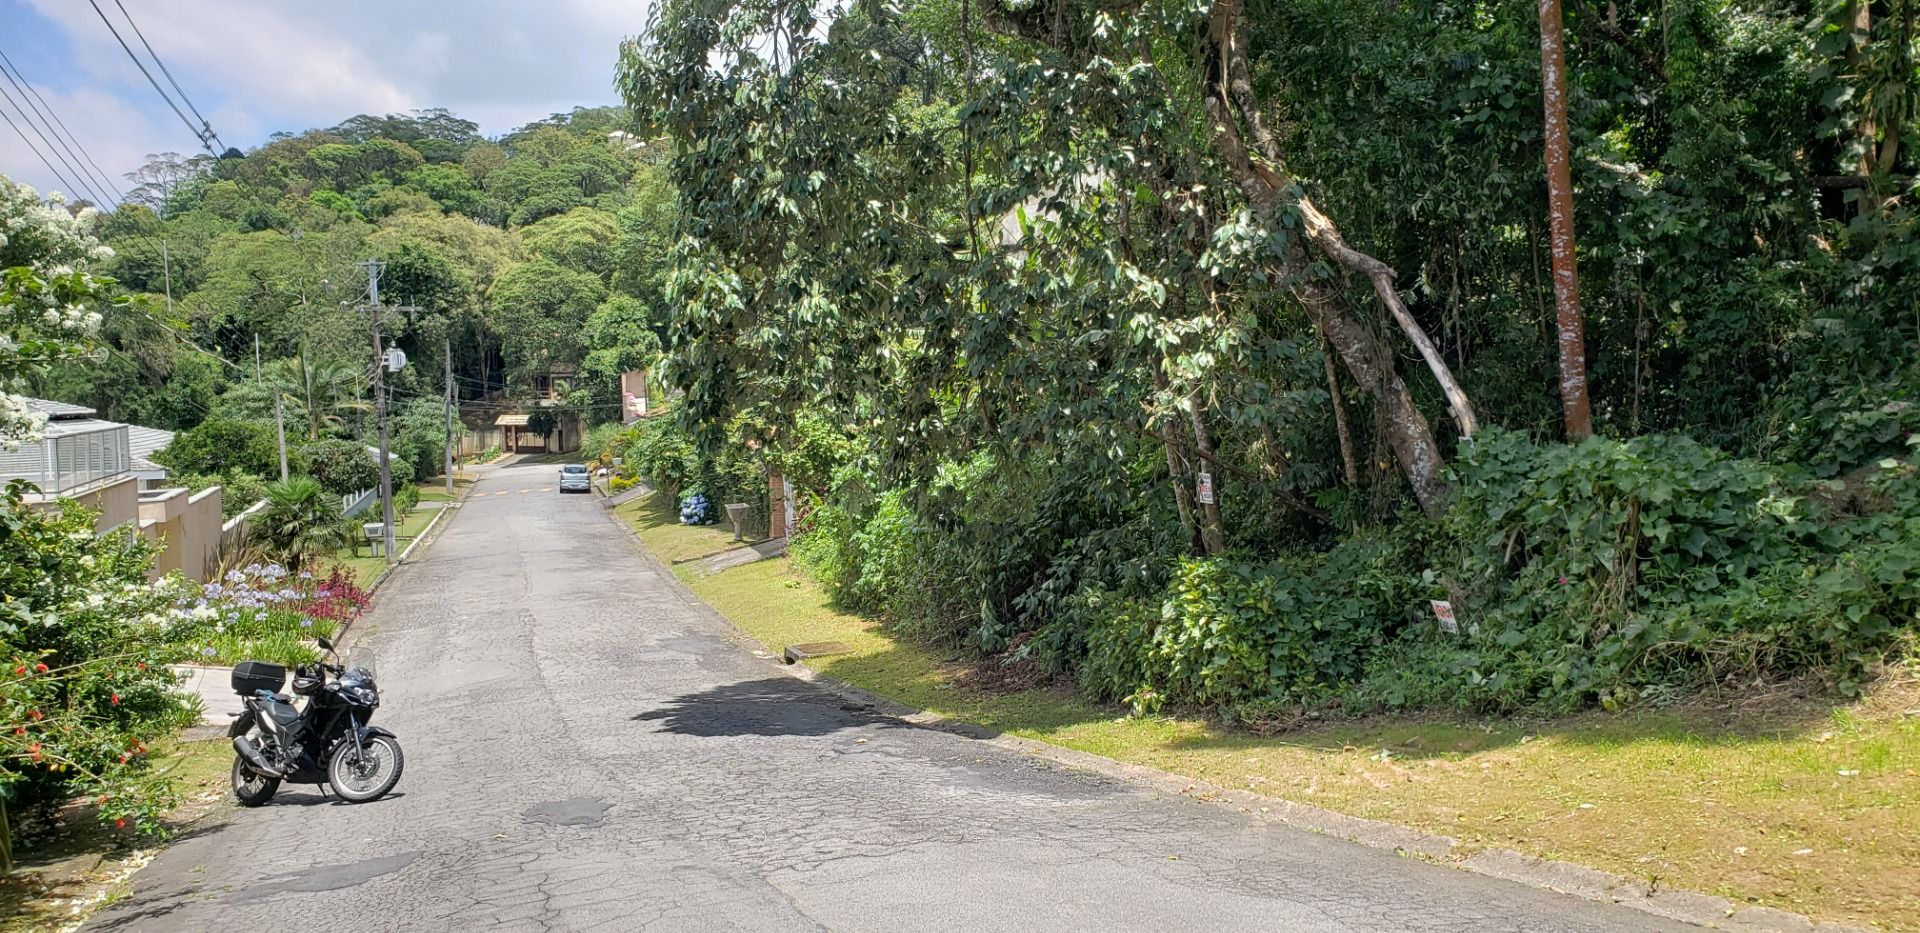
{"type": "Point", "coordinates": [326, 389]}
{"type": "Point", "coordinates": [301, 522]}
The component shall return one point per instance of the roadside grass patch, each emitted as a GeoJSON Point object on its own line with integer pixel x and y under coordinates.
{"type": "Point", "coordinates": [368, 567]}
{"type": "Point", "coordinates": [68, 867]}
{"type": "Point", "coordinates": [656, 519]}
{"type": "Point", "coordinates": [1779, 799]}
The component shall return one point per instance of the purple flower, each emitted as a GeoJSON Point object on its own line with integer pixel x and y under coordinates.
{"type": "Point", "coordinates": [1563, 581]}
{"type": "Point", "coordinates": [208, 652]}
{"type": "Point", "coordinates": [306, 623]}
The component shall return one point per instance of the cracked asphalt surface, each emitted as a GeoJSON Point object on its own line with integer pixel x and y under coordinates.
{"type": "Point", "coordinates": [587, 750]}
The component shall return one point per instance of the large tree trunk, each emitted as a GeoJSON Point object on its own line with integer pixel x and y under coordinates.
{"type": "Point", "coordinates": [1367, 358]}
{"type": "Point", "coordinates": [1272, 195]}
{"type": "Point", "coordinates": [1566, 277]}
{"type": "Point", "coordinates": [1212, 530]}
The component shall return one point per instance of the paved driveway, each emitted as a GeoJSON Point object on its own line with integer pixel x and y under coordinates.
{"type": "Point", "coordinates": [587, 751]}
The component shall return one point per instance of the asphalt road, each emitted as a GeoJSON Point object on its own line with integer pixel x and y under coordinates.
{"type": "Point", "coordinates": [586, 750]}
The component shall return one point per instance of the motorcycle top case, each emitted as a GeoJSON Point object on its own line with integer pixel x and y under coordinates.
{"type": "Point", "coordinates": [249, 676]}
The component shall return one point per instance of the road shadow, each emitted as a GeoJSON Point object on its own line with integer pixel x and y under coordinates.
{"type": "Point", "coordinates": [317, 799]}
{"type": "Point", "coordinates": [769, 706]}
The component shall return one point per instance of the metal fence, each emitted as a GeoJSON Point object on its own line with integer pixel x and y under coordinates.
{"type": "Point", "coordinates": [69, 457]}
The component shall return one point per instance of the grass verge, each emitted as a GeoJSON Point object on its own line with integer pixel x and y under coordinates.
{"type": "Point", "coordinates": [68, 868]}
{"type": "Point", "coordinates": [1783, 800]}
{"type": "Point", "coordinates": [366, 567]}
{"type": "Point", "coordinates": [656, 520]}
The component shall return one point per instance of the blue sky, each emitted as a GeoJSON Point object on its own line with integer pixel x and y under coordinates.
{"type": "Point", "coordinates": [254, 67]}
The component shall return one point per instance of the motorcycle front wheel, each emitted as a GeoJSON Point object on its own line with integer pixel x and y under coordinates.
{"type": "Point", "coordinates": [366, 773]}
{"type": "Point", "coordinates": [251, 789]}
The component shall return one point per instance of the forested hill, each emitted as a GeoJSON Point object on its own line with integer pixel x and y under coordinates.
{"type": "Point", "coordinates": [536, 248]}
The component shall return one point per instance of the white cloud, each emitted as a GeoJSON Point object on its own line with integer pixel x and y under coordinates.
{"type": "Point", "coordinates": [117, 136]}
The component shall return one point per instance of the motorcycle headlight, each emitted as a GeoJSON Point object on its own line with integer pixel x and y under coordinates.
{"type": "Point", "coordinates": [364, 695]}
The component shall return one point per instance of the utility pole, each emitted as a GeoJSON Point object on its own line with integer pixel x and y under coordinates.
{"type": "Point", "coordinates": [374, 267]}
{"type": "Point", "coordinates": [279, 419]}
{"type": "Point", "coordinates": [446, 351]}
{"type": "Point", "coordinates": [166, 272]}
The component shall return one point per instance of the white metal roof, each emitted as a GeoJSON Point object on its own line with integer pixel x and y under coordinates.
{"type": "Point", "coordinates": [59, 410]}
{"type": "Point", "coordinates": [142, 442]}
{"type": "Point", "coordinates": [62, 427]}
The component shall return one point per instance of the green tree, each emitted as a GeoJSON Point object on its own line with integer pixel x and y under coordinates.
{"type": "Point", "coordinates": [221, 446]}
{"type": "Point", "coordinates": [342, 467]}
{"type": "Point", "coordinates": [301, 524]}
{"type": "Point", "coordinates": [540, 309]}
{"type": "Point", "coordinates": [583, 238]}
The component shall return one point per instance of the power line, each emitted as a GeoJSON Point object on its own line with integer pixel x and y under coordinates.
{"type": "Point", "coordinates": [36, 151]}
{"type": "Point", "coordinates": [99, 174]}
{"type": "Point", "coordinates": [163, 70]}
{"type": "Point", "coordinates": [78, 167]}
{"type": "Point", "coordinates": [150, 80]}
{"type": "Point", "coordinates": [88, 191]}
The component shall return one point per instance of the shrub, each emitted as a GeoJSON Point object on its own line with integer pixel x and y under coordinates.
{"type": "Point", "coordinates": [342, 467]}
{"type": "Point", "coordinates": [663, 454]}
{"type": "Point", "coordinates": [301, 523]}
{"type": "Point", "coordinates": [220, 446]}
{"type": "Point", "coordinates": [603, 442]}
{"type": "Point", "coordinates": [1610, 570]}
{"type": "Point", "coordinates": [85, 640]}
{"type": "Point", "coordinates": [405, 497]}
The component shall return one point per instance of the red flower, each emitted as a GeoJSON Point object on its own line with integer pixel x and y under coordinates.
{"type": "Point", "coordinates": [116, 699]}
{"type": "Point", "coordinates": [36, 714]}
{"type": "Point", "coordinates": [20, 731]}
{"type": "Point", "coordinates": [41, 667]}
{"type": "Point", "coordinates": [120, 824]}
{"type": "Point", "coordinates": [142, 665]}
{"type": "Point", "coordinates": [36, 751]}
{"type": "Point", "coordinates": [21, 670]}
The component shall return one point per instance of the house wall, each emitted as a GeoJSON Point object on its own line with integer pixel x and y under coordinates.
{"type": "Point", "coordinates": [163, 519]}
{"type": "Point", "coordinates": [117, 501]}
{"type": "Point", "coordinates": [200, 541]}
{"type": "Point", "coordinates": [188, 528]}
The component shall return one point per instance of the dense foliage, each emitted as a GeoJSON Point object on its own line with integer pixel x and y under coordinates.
{"type": "Point", "coordinates": [85, 641]}
{"type": "Point", "coordinates": [1044, 267]}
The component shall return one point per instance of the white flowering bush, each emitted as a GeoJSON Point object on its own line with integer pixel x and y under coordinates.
{"type": "Point", "coordinates": [48, 300]}
{"type": "Point", "coordinates": [85, 640]}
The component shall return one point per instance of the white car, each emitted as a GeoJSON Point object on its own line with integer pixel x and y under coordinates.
{"type": "Point", "coordinates": [575, 478]}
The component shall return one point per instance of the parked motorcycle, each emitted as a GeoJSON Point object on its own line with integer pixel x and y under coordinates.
{"type": "Point", "coordinates": [327, 742]}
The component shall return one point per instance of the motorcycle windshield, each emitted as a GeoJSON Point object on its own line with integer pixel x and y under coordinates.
{"type": "Point", "coordinates": [363, 659]}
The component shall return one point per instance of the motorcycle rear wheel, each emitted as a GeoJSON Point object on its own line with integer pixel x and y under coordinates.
{"type": "Point", "coordinates": [249, 788]}
{"type": "Point", "coordinates": [361, 775]}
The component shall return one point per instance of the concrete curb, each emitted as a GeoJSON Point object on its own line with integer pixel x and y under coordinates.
{"type": "Point", "coordinates": [1570, 878]}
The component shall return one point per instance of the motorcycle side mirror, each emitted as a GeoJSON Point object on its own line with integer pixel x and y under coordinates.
{"type": "Point", "coordinates": [325, 645]}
